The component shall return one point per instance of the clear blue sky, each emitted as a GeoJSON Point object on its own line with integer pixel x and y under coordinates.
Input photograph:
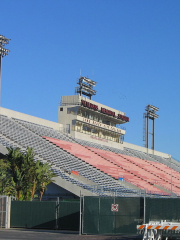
{"type": "Point", "coordinates": [130, 48]}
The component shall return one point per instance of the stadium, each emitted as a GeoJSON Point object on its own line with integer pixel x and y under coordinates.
{"type": "Point", "coordinates": [87, 152]}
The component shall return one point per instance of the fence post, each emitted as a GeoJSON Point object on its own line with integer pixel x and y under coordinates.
{"type": "Point", "coordinates": [99, 208]}
{"type": "Point", "coordinates": [144, 220]}
{"type": "Point", "coordinates": [57, 213]}
{"type": "Point", "coordinates": [8, 212]}
{"type": "Point", "coordinates": [80, 216]}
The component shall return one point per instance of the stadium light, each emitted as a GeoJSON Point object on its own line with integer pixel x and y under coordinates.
{"type": "Point", "coordinates": [3, 52]}
{"type": "Point", "coordinates": [86, 87]}
{"type": "Point", "coordinates": [153, 107]}
{"type": "Point", "coordinates": [150, 114]}
{"type": "Point", "coordinates": [87, 80]}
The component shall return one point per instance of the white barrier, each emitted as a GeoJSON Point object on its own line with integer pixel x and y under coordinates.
{"type": "Point", "coordinates": [154, 230]}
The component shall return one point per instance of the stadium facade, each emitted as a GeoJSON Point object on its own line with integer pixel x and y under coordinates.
{"type": "Point", "coordinates": [87, 151]}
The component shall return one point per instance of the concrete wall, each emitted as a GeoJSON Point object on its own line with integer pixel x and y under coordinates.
{"type": "Point", "coordinates": [26, 117]}
{"type": "Point", "coordinates": [64, 118]}
{"type": "Point", "coordinates": [3, 150]}
{"type": "Point", "coordinates": [53, 191]}
{"type": "Point", "coordinates": [76, 190]}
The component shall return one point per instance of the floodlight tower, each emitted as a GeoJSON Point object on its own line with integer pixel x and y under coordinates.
{"type": "Point", "coordinates": [86, 87]}
{"type": "Point", "coordinates": [3, 52]}
{"type": "Point", "coordinates": [150, 114]}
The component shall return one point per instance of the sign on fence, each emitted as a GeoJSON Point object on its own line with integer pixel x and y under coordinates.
{"type": "Point", "coordinates": [114, 207]}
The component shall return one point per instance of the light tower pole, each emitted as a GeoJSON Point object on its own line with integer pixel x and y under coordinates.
{"type": "Point", "coordinates": [150, 114]}
{"type": "Point", "coordinates": [3, 52]}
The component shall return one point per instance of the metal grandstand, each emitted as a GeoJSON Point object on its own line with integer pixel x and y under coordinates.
{"type": "Point", "coordinates": [19, 133]}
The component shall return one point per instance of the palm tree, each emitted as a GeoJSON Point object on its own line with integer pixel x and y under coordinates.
{"type": "Point", "coordinates": [16, 160]}
{"type": "Point", "coordinates": [45, 177]}
{"type": "Point", "coordinates": [38, 175]}
{"type": "Point", "coordinates": [7, 185]}
{"type": "Point", "coordinates": [29, 175]}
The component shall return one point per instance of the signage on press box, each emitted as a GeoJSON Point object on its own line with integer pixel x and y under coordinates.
{"type": "Point", "coordinates": [104, 110]}
{"type": "Point", "coordinates": [89, 105]}
{"type": "Point", "coordinates": [108, 112]}
{"type": "Point", "coordinates": [122, 117]}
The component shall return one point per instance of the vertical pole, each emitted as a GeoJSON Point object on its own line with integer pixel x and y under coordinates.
{"type": "Point", "coordinates": [6, 212]}
{"type": "Point", "coordinates": [0, 76]}
{"type": "Point", "coordinates": [2, 212]}
{"type": "Point", "coordinates": [57, 212]}
{"type": "Point", "coordinates": [8, 209]}
{"type": "Point", "coordinates": [114, 215]}
{"type": "Point", "coordinates": [80, 216]}
{"type": "Point", "coordinates": [9, 213]}
{"type": "Point", "coordinates": [99, 215]}
{"type": "Point", "coordinates": [152, 135]}
{"type": "Point", "coordinates": [147, 130]}
{"type": "Point", "coordinates": [171, 173]}
{"type": "Point", "coordinates": [144, 220]}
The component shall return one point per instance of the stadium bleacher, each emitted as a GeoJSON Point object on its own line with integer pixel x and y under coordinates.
{"type": "Point", "coordinates": [103, 165]}
{"type": "Point", "coordinates": [137, 171]}
{"type": "Point", "coordinates": [22, 134]}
